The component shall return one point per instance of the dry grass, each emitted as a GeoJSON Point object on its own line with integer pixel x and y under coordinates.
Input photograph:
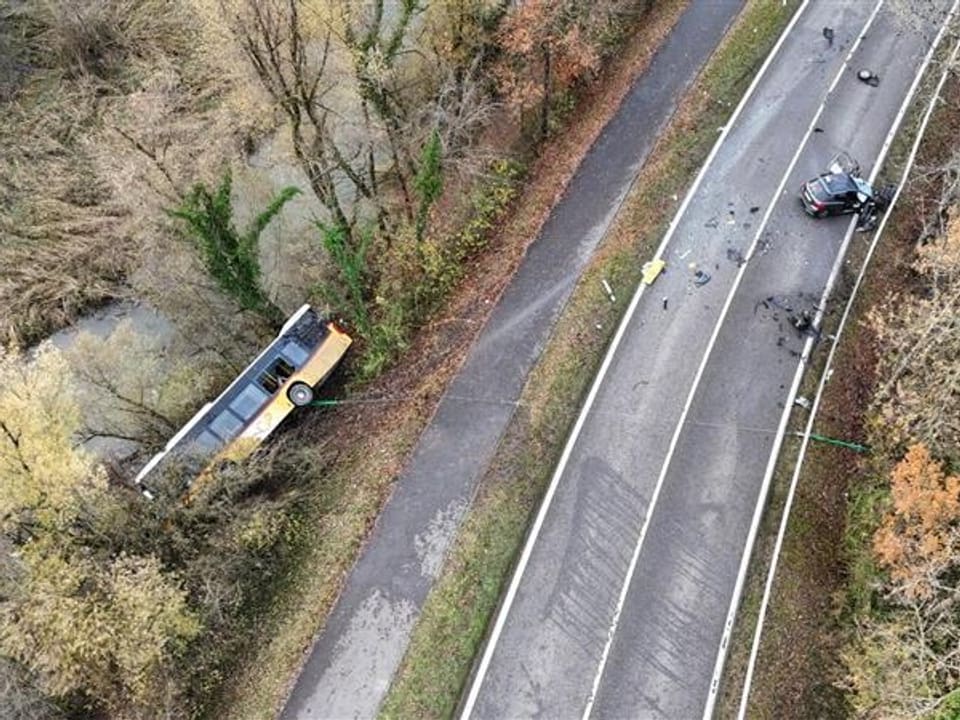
{"type": "Point", "coordinates": [111, 110]}
{"type": "Point", "coordinates": [360, 480]}
{"type": "Point", "coordinates": [825, 571]}
{"type": "Point", "coordinates": [453, 622]}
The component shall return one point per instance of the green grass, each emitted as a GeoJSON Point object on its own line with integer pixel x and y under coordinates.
{"type": "Point", "coordinates": [455, 617]}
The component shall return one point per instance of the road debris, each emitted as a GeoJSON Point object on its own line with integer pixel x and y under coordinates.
{"type": "Point", "coordinates": [734, 255]}
{"type": "Point", "coordinates": [712, 222]}
{"type": "Point", "coordinates": [828, 34]}
{"type": "Point", "coordinates": [606, 286]}
{"type": "Point", "coordinates": [802, 402]}
{"type": "Point", "coordinates": [869, 77]}
{"type": "Point", "coordinates": [802, 322]}
{"type": "Point", "coordinates": [779, 301]}
{"type": "Point", "coordinates": [652, 270]}
{"type": "Point", "coordinates": [684, 253]}
{"type": "Point", "coordinates": [701, 278]}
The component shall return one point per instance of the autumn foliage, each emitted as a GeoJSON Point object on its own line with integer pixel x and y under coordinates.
{"type": "Point", "coordinates": [547, 46]}
{"type": "Point", "coordinates": [904, 659]}
{"type": "Point", "coordinates": [920, 537]}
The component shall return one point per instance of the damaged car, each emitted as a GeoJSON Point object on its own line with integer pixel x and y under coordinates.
{"type": "Point", "coordinates": [841, 191]}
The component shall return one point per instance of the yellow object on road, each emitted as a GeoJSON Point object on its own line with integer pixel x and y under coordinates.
{"type": "Point", "coordinates": [652, 270]}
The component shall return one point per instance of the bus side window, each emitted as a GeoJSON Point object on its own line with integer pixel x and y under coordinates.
{"type": "Point", "coordinates": [282, 369]}
{"type": "Point", "coordinates": [273, 377]}
{"type": "Point", "coordinates": [295, 353]}
{"type": "Point", "coordinates": [268, 382]}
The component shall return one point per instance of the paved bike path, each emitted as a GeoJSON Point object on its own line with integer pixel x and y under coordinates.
{"type": "Point", "coordinates": [355, 656]}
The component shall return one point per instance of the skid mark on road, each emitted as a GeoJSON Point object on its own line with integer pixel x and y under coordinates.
{"type": "Point", "coordinates": [595, 558]}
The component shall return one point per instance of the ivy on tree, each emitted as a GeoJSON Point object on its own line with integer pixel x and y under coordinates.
{"type": "Point", "coordinates": [232, 257]}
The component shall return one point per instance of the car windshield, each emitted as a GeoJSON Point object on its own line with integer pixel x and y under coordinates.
{"type": "Point", "coordinates": [837, 184]}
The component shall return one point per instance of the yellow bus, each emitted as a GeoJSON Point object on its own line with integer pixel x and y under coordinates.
{"type": "Point", "coordinates": [279, 379]}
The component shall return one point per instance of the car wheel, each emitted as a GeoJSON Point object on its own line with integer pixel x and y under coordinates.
{"type": "Point", "coordinates": [300, 394]}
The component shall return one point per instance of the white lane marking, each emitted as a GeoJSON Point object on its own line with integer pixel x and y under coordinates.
{"type": "Point", "coordinates": [511, 593]}
{"type": "Point", "coordinates": [634, 560]}
{"type": "Point", "coordinates": [798, 467]}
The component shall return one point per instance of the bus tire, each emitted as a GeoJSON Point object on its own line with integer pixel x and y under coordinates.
{"type": "Point", "coordinates": [300, 394]}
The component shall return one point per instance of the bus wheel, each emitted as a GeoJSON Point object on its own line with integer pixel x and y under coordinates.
{"type": "Point", "coordinates": [300, 394]}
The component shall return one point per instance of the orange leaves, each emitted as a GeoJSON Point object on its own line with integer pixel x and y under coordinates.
{"type": "Point", "coordinates": [920, 536]}
{"type": "Point", "coordinates": [546, 43]}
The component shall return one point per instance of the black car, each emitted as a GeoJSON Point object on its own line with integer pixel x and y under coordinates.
{"type": "Point", "coordinates": [842, 191]}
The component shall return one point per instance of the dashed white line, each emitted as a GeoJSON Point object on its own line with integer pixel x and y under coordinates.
{"type": "Point", "coordinates": [504, 611]}
{"type": "Point", "coordinates": [768, 587]}
{"type": "Point", "coordinates": [624, 591]}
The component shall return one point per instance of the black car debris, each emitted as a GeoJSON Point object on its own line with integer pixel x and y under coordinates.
{"type": "Point", "coordinates": [841, 191]}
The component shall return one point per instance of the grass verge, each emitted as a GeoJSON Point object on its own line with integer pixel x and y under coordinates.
{"type": "Point", "coordinates": [454, 619]}
{"type": "Point", "coordinates": [826, 573]}
{"type": "Point", "coordinates": [352, 458]}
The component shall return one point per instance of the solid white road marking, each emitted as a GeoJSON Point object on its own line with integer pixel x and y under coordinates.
{"type": "Point", "coordinates": [794, 480]}
{"type": "Point", "coordinates": [491, 644]}
{"type": "Point", "coordinates": [664, 468]}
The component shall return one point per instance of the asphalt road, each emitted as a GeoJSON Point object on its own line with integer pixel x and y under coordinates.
{"type": "Point", "coordinates": [620, 607]}
{"type": "Point", "coordinates": [352, 661]}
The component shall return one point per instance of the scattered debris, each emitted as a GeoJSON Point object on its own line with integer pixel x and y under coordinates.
{"type": "Point", "coordinates": [869, 77]}
{"type": "Point", "coordinates": [779, 301]}
{"type": "Point", "coordinates": [606, 286]}
{"type": "Point", "coordinates": [802, 322]}
{"type": "Point", "coordinates": [828, 34]}
{"type": "Point", "coordinates": [701, 278]}
{"type": "Point", "coordinates": [802, 402]}
{"type": "Point", "coordinates": [734, 255]}
{"type": "Point", "coordinates": [652, 270]}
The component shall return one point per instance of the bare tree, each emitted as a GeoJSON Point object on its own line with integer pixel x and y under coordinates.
{"type": "Point", "coordinates": [293, 69]}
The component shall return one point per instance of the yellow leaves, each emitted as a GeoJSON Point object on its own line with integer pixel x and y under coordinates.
{"type": "Point", "coordinates": [41, 470]}
{"type": "Point", "coordinates": [84, 625]}
{"type": "Point", "coordinates": [919, 538]}
{"type": "Point", "coordinates": [149, 612]}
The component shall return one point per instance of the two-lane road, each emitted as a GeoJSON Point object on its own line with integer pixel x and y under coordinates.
{"type": "Point", "coordinates": [619, 604]}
